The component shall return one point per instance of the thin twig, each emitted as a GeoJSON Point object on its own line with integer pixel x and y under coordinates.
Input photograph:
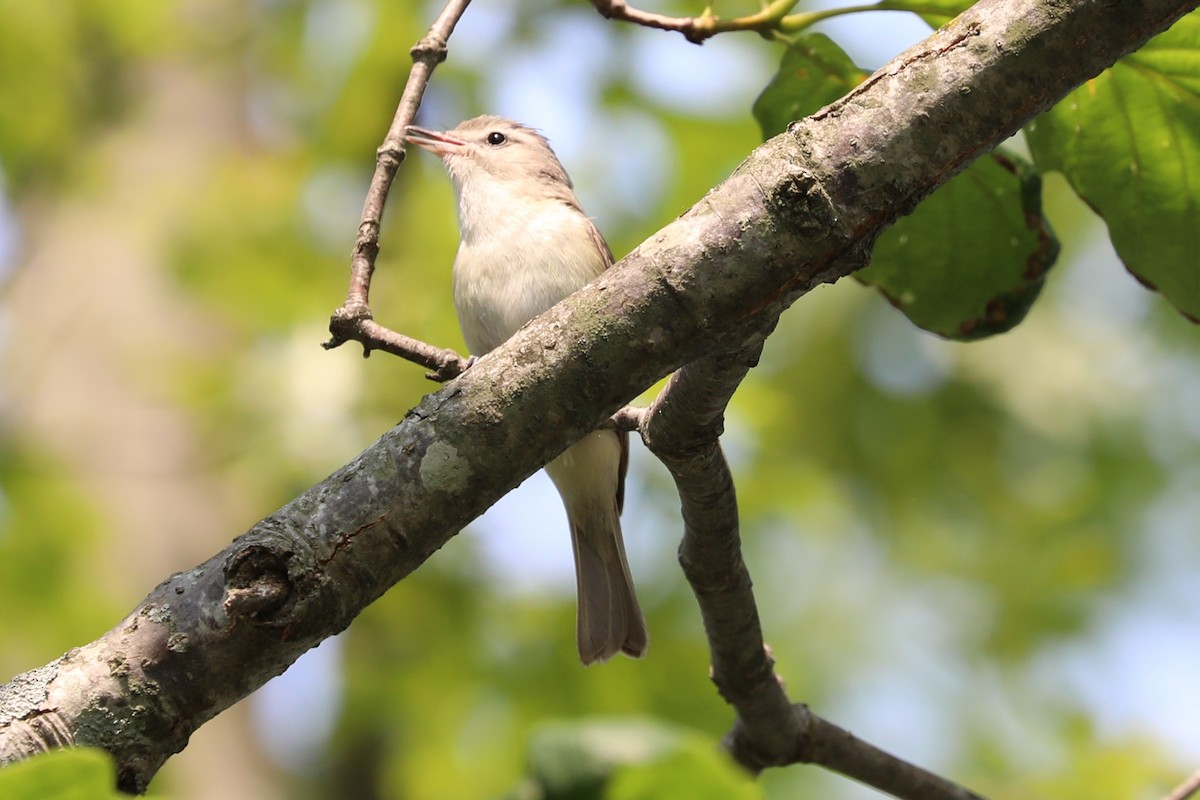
{"type": "Point", "coordinates": [773, 20]}
{"type": "Point", "coordinates": [354, 320]}
{"type": "Point", "coordinates": [617, 9]}
{"type": "Point", "coordinates": [444, 363]}
{"type": "Point", "coordinates": [1187, 789]}
{"type": "Point", "coordinates": [705, 26]}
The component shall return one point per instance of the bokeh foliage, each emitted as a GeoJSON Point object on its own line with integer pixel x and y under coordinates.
{"type": "Point", "coordinates": [939, 533]}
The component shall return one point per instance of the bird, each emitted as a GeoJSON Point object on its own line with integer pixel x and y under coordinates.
{"type": "Point", "coordinates": [525, 244]}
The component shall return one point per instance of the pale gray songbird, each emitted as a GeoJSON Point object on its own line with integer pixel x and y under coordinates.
{"type": "Point", "coordinates": [524, 245]}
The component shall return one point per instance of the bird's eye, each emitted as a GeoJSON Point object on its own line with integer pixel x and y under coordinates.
{"type": "Point", "coordinates": [496, 138]}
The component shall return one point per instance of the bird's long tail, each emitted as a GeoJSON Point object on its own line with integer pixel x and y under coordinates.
{"type": "Point", "coordinates": [610, 621]}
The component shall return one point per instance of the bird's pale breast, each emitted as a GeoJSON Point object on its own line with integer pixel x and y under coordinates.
{"type": "Point", "coordinates": [504, 275]}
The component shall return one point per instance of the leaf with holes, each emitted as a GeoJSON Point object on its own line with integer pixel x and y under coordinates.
{"type": "Point", "coordinates": [970, 260]}
{"type": "Point", "coordinates": [813, 73]}
{"type": "Point", "coordinates": [1128, 142]}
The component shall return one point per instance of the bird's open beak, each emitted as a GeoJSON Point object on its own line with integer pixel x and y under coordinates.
{"type": "Point", "coordinates": [436, 142]}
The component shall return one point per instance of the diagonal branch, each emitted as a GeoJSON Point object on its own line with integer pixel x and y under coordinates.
{"type": "Point", "coordinates": [698, 29]}
{"type": "Point", "coordinates": [772, 20]}
{"type": "Point", "coordinates": [802, 209]}
{"type": "Point", "coordinates": [353, 320]}
{"type": "Point", "coordinates": [1187, 789]}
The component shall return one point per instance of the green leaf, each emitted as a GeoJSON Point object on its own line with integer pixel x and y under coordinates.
{"type": "Point", "coordinates": [971, 259]}
{"type": "Point", "coordinates": [697, 771]}
{"type": "Point", "coordinates": [813, 73]}
{"type": "Point", "coordinates": [1128, 142]}
{"type": "Point", "coordinates": [629, 759]}
{"type": "Point", "coordinates": [575, 760]}
{"type": "Point", "coordinates": [75, 774]}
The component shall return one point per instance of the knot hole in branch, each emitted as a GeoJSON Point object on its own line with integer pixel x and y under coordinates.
{"type": "Point", "coordinates": [256, 582]}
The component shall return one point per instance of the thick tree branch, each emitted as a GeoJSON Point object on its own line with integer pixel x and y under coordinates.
{"type": "Point", "coordinates": [801, 210]}
{"type": "Point", "coordinates": [681, 428]}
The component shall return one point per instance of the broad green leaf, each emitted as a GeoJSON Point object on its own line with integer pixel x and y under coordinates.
{"type": "Point", "coordinates": [74, 774]}
{"type": "Point", "coordinates": [971, 259]}
{"type": "Point", "coordinates": [813, 73]}
{"type": "Point", "coordinates": [697, 771]}
{"type": "Point", "coordinates": [576, 760]}
{"type": "Point", "coordinates": [630, 759]}
{"type": "Point", "coordinates": [1128, 142]}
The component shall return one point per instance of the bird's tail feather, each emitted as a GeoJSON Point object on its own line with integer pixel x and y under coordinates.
{"type": "Point", "coordinates": [610, 620]}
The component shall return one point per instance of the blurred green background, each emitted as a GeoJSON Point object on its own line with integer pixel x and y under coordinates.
{"type": "Point", "coordinates": [982, 557]}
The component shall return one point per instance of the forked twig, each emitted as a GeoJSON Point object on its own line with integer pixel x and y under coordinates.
{"type": "Point", "coordinates": [682, 428]}
{"type": "Point", "coordinates": [697, 29]}
{"type": "Point", "coordinates": [354, 320]}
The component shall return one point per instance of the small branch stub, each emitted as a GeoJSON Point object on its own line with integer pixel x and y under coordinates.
{"type": "Point", "coordinates": [257, 582]}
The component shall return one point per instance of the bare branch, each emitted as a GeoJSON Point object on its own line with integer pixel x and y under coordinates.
{"type": "Point", "coordinates": [354, 320]}
{"type": "Point", "coordinates": [1187, 789]}
{"type": "Point", "coordinates": [841, 751]}
{"type": "Point", "coordinates": [355, 323]}
{"type": "Point", "coordinates": [682, 427]}
{"type": "Point", "coordinates": [771, 19]}
{"type": "Point", "coordinates": [619, 9]}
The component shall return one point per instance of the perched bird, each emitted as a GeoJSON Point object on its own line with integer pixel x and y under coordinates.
{"type": "Point", "coordinates": [525, 244]}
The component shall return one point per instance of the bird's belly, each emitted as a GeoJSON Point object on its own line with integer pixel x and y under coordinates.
{"type": "Point", "coordinates": [500, 287]}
